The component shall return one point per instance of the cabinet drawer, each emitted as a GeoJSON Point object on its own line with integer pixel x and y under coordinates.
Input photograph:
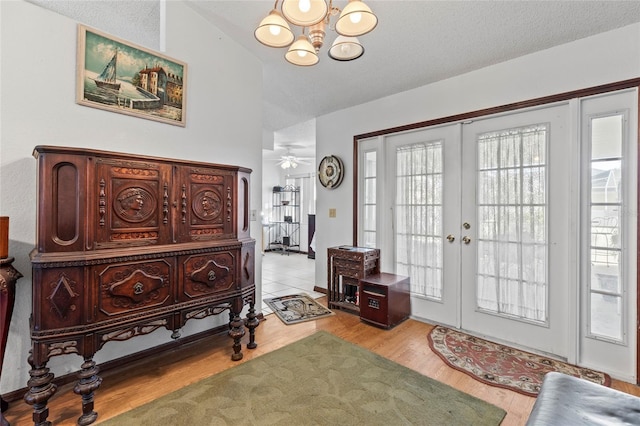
{"type": "Point", "coordinates": [124, 288]}
{"type": "Point", "coordinates": [208, 274]}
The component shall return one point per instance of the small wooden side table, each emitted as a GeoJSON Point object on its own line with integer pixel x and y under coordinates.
{"type": "Point", "coordinates": [8, 277]}
{"type": "Point", "coordinates": [346, 265]}
{"type": "Point", "coordinates": [385, 300]}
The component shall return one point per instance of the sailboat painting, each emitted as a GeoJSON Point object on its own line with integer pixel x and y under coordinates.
{"type": "Point", "coordinates": [119, 76]}
{"type": "Point", "coordinates": [107, 78]}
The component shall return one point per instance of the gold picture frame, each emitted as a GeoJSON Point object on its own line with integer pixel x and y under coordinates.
{"type": "Point", "coordinates": [118, 76]}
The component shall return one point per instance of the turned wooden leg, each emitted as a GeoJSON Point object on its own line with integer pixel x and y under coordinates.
{"type": "Point", "coordinates": [40, 390]}
{"type": "Point", "coordinates": [236, 329]}
{"type": "Point", "coordinates": [252, 323]}
{"type": "Point", "coordinates": [88, 382]}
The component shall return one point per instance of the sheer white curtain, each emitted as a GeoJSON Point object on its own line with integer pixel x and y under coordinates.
{"type": "Point", "coordinates": [418, 216]}
{"type": "Point", "coordinates": [511, 213]}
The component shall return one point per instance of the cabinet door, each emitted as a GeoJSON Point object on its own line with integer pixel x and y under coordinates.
{"type": "Point", "coordinates": [126, 288]}
{"type": "Point", "coordinates": [133, 203]}
{"type": "Point", "coordinates": [207, 204]}
{"type": "Point", "coordinates": [208, 274]}
{"type": "Point", "coordinates": [58, 298]}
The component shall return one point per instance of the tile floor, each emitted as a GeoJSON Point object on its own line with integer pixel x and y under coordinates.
{"type": "Point", "coordinates": [284, 274]}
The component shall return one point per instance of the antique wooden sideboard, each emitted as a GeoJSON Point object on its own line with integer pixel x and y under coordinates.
{"type": "Point", "coordinates": [126, 245]}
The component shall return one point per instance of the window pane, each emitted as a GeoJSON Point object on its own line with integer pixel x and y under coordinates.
{"type": "Point", "coordinates": [607, 279]}
{"type": "Point", "coordinates": [533, 184]}
{"type": "Point", "coordinates": [605, 181]}
{"type": "Point", "coordinates": [606, 137]}
{"type": "Point", "coordinates": [418, 216]}
{"type": "Point", "coordinates": [370, 191]}
{"type": "Point", "coordinates": [606, 316]}
{"type": "Point", "coordinates": [604, 226]}
{"type": "Point", "coordinates": [369, 218]}
{"type": "Point", "coordinates": [369, 239]}
{"type": "Point", "coordinates": [511, 212]}
{"type": "Point", "coordinates": [370, 163]}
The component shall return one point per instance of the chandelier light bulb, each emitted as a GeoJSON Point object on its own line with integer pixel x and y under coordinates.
{"type": "Point", "coordinates": [304, 5]}
{"type": "Point", "coordinates": [355, 17]}
{"type": "Point", "coordinates": [274, 29]}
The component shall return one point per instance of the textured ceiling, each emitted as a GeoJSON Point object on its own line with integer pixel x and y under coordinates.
{"type": "Point", "coordinates": [414, 44]}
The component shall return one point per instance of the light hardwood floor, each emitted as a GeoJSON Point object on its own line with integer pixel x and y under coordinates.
{"type": "Point", "coordinates": [143, 381]}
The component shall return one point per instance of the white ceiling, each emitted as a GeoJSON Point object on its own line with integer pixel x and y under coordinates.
{"type": "Point", "coordinates": [414, 44]}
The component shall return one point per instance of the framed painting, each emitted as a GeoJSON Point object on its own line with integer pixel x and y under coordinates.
{"type": "Point", "coordinates": [118, 76]}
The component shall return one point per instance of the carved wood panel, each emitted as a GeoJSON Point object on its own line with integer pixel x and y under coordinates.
{"type": "Point", "coordinates": [133, 199]}
{"type": "Point", "coordinates": [59, 299]}
{"type": "Point", "coordinates": [206, 275]}
{"type": "Point", "coordinates": [124, 288]}
{"type": "Point", "coordinates": [207, 206]}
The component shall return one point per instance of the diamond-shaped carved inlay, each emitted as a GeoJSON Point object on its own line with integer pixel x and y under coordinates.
{"type": "Point", "coordinates": [63, 295]}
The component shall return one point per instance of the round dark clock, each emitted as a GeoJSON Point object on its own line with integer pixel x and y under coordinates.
{"type": "Point", "coordinates": [330, 171]}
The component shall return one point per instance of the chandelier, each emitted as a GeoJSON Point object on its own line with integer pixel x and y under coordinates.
{"type": "Point", "coordinates": [354, 20]}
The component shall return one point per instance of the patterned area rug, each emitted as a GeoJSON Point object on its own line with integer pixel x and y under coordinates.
{"type": "Point", "coordinates": [297, 308]}
{"type": "Point", "coordinates": [500, 365]}
{"type": "Point", "coordinates": [319, 380]}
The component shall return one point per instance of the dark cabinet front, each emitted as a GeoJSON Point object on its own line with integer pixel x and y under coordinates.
{"type": "Point", "coordinates": [128, 244]}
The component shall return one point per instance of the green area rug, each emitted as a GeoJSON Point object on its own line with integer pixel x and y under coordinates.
{"type": "Point", "coordinates": [319, 380]}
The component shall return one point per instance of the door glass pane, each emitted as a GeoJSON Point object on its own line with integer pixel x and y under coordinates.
{"type": "Point", "coordinates": [511, 275]}
{"type": "Point", "coordinates": [606, 315]}
{"type": "Point", "coordinates": [605, 231]}
{"type": "Point", "coordinates": [418, 217]}
{"type": "Point", "coordinates": [370, 201]}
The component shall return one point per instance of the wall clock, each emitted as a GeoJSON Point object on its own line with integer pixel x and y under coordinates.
{"type": "Point", "coordinates": [330, 171]}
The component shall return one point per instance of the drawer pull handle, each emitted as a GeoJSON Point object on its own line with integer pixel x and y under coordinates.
{"type": "Point", "coordinates": [370, 293]}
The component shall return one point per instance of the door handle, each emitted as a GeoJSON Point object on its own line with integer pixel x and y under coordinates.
{"type": "Point", "coordinates": [466, 239]}
{"type": "Point", "coordinates": [451, 238]}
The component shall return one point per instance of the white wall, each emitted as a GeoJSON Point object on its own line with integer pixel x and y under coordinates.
{"type": "Point", "coordinates": [37, 106]}
{"type": "Point", "coordinates": [604, 58]}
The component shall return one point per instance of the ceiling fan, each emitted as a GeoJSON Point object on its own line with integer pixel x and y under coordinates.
{"type": "Point", "coordinates": [290, 161]}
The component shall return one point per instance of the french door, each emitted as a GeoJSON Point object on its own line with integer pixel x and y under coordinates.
{"type": "Point", "coordinates": [490, 221]}
{"type": "Point", "coordinates": [515, 253]}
